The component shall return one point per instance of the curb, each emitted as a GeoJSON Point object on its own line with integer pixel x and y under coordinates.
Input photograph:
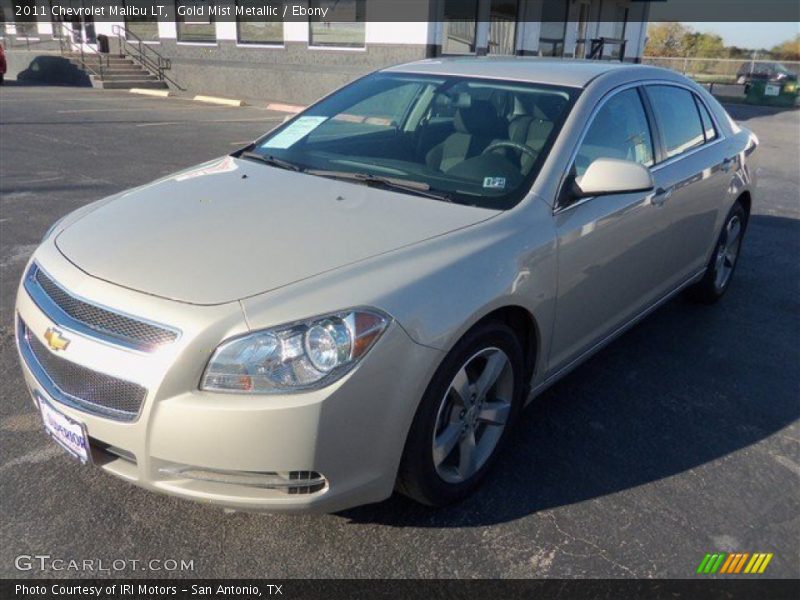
{"type": "Point", "coordinates": [216, 100]}
{"type": "Point", "coordinates": [287, 108]}
{"type": "Point", "coordinates": [146, 92]}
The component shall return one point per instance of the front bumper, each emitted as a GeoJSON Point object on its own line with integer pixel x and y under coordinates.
{"type": "Point", "coordinates": [352, 432]}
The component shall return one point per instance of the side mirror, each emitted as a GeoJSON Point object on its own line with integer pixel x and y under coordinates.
{"type": "Point", "coordinates": [613, 176]}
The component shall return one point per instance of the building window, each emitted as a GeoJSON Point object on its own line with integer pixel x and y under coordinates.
{"type": "Point", "coordinates": [144, 27]}
{"type": "Point", "coordinates": [460, 20]}
{"type": "Point", "coordinates": [25, 18]}
{"type": "Point", "coordinates": [343, 27]}
{"type": "Point", "coordinates": [503, 18]}
{"type": "Point", "coordinates": [200, 26]}
{"type": "Point", "coordinates": [554, 27]}
{"type": "Point", "coordinates": [258, 30]}
{"type": "Point", "coordinates": [59, 29]}
{"type": "Point", "coordinates": [75, 28]}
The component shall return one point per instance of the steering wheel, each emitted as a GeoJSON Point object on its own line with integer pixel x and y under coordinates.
{"type": "Point", "coordinates": [521, 148]}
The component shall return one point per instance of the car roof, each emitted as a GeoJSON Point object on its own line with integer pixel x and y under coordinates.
{"type": "Point", "coordinates": [558, 71]}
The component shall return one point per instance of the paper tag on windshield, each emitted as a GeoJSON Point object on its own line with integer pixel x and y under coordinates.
{"type": "Point", "coordinates": [295, 132]}
{"type": "Point", "coordinates": [494, 183]}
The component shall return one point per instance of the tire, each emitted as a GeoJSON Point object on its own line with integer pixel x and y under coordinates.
{"type": "Point", "coordinates": [724, 259]}
{"type": "Point", "coordinates": [437, 479]}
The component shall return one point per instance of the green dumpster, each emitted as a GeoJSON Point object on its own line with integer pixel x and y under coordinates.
{"type": "Point", "coordinates": [772, 93]}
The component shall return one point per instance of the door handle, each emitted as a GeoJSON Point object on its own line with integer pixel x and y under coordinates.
{"type": "Point", "coordinates": [727, 164]}
{"type": "Point", "coordinates": [661, 195]}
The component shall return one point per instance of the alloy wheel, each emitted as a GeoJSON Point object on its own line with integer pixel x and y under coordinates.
{"type": "Point", "coordinates": [727, 253]}
{"type": "Point", "coordinates": [473, 415]}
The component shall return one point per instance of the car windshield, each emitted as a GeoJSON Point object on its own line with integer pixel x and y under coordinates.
{"type": "Point", "coordinates": [473, 141]}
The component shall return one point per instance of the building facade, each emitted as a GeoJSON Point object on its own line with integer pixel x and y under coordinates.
{"type": "Point", "coordinates": [300, 60]}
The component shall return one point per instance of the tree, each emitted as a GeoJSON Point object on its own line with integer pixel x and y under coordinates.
{"type": "Point", "coordinates": [676, 39]}
{"type": "Point", "coordinates": [666, 39]}
{"type": "Point", "coordinates": [788, 50]}
{"type": "Point", "coordinates": [704, 45]}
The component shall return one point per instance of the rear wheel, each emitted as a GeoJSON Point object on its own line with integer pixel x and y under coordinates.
{"type": "Point", "coordinates": [464, 417]}
{"type": "Point", "coordinates": [723, 260]}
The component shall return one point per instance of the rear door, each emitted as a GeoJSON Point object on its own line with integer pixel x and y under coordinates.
{"type": "Point", "coordinates": [694, 177]}
{"type": "Point", "coordinates": [610, 248]}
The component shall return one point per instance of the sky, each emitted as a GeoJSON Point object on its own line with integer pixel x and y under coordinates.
{"type": "Point", "coordinates": [750, 35]}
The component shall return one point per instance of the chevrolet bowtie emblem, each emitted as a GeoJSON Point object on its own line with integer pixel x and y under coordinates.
{"type": "Point", "coordinates": [55, 340]}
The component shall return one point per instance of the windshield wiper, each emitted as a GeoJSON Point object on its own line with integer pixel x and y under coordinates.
{"type": "Point", "coordinates": [272, 161]}
{"type": "Point", "coordinates": [406, 185]}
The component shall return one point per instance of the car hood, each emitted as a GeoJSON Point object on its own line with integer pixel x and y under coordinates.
{"type": "Point", "coordinates": [232, 228]}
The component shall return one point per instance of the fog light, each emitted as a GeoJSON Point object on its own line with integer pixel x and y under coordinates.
{"type": "Point", "coordinates": [291, 482]}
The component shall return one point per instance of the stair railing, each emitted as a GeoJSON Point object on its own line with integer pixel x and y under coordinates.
{"type": "Point", "coordinates": [131, 45]}
{"type": "Point", "coordinates": [79, 50]}
{"type": "Point", "coordinates": [598, 45]}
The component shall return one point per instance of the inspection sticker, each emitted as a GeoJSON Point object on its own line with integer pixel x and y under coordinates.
{"type": "Point", "coordinates": [494, 183]}
{"type": "Point", "coordinates": [295, 132]}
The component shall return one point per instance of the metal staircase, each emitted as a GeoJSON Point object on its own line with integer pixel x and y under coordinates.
{"type": "Point", "coordinates": [130, 64]}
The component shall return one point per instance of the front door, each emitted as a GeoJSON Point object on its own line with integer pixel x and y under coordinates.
{"type": "Point", "coordinates": [610, 248]}
{"type": "Point", "coordinates": [503, 26]}
{"type": "Point", "coordinates": [82, 27]}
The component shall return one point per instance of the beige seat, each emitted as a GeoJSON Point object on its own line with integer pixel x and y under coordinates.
{"type": "Point", "coordinates": [476, 126]}
{"type": "Point", "coordinates": [534, 127]}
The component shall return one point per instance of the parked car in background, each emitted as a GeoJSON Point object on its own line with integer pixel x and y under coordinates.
{"type": "Point", "coordinates": [764, 71]}
{"type": "Point", "coordinates": [365, 298]}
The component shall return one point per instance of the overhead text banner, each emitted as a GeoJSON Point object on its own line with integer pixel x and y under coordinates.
{"type": "Point", "coordinates": [344, 11]}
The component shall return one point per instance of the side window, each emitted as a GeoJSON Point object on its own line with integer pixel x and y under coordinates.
{"type": "Point", "coordinates": [387, 108]}
{"type": "Point", "coordinates": [677, 117]}
{"type": "Point", "coordinates": [383, 111]}
{"type": "Point", "coordinates": [708, 124]}
{"type": "Point", "coordinates": [619, 130]}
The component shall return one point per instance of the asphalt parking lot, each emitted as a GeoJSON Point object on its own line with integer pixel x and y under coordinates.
{"type": "Point", "coordinates": [681, 438]}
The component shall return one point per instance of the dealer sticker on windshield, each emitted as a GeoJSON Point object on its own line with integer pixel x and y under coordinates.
{"type": "Point", "coordinates": [494, 183]}
{"type": "Point", "coordinates": [294, 132]}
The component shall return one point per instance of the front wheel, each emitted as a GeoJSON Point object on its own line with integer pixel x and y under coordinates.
{"type": "Point", "coordinates": [724, 258]}
{"type": "Point", "coordinates": [463, 417]}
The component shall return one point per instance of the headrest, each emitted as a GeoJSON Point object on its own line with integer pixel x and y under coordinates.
{"type": "Point", "coordinates": [480, 118]}
{"type": "Point", "coordinates": [548, 107]}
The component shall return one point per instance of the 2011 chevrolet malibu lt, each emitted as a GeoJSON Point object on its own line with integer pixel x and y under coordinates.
{"type": "Point", "coordinates": [364, 299]}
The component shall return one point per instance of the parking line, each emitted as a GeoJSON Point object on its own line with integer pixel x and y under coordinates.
{"type": "Point", "coordinates": [162, 123]}
{"type": "Point", "coordinates": [259, 120]}
{"type": "Point", "coordinates": [89, 110]}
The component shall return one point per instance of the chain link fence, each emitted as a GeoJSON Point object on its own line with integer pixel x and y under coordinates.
{"type": "Point", "coordinates": [731, 71]}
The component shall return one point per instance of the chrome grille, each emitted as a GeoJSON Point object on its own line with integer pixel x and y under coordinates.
{"type": "Point", "coordinates": [79, 386]}
{"type": "Point", "coordinates": [101, 322]}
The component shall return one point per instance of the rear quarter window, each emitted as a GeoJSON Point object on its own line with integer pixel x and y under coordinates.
{"type": "Point", "coordinates": [708, 124]}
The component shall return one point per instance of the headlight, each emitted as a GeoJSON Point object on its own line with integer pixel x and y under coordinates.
{"type": "Point", "coordinates": [300, 356]}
